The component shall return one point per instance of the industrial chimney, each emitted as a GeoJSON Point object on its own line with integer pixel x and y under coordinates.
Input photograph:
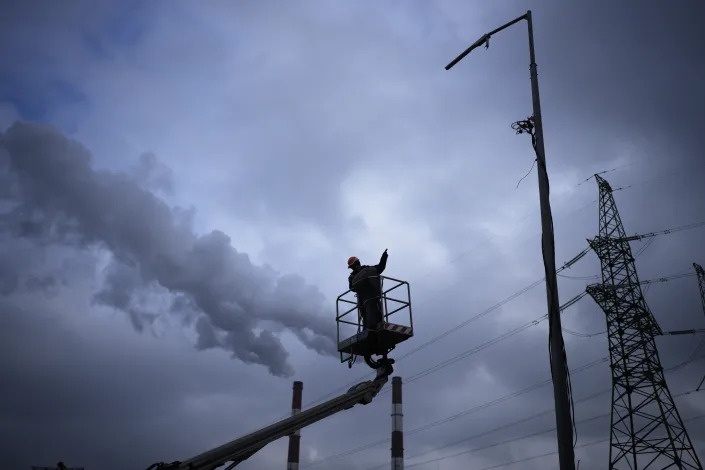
{"type": "Point", "coordinates": [397, 426]}
{"type": "Point", "coordinates": [295, 439]}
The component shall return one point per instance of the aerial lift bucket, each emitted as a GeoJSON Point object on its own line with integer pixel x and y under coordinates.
{"type": "Point", "coordinates": [353, 340]}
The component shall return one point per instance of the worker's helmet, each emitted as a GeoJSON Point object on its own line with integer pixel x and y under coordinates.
{"type": "Point", "coordinates": [352, 260]}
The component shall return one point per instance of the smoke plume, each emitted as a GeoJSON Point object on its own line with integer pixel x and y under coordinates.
{"type": "Point", "coordinates": [52, 195]}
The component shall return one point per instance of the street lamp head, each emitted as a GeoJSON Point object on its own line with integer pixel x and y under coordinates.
{"type": "Point", "coordinates": [485, 39]}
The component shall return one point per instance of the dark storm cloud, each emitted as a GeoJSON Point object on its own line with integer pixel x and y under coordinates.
{"type": "Point", "coordinates": [523, 360]}
{"type": "Point", "coordinates": [59, 197]}
{"type": "Point", "coordinates": [153, 174]}
{"type": "Point", "coordinates": [106, 399]}
{"type": "Point", "coordinates": [629, 71]}
{"type": "Point", "coordinates": [609, 73]}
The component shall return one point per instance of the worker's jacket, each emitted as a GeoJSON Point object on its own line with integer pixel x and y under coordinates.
{"type": "Point", "coordinates": [366, 282]}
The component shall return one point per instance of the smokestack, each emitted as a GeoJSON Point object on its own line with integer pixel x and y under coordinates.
{"type": "Point", "coordinates": [397, 426]}
{"type": "Point", "coordinates": [295, 439]}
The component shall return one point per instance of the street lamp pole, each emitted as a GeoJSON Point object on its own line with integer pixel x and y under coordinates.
{"type": "Point", "coordinates": [564, 424]}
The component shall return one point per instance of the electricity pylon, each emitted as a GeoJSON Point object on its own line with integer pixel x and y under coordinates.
{"type": "Point", "coordinates": [701, 283]}
{"type": "Point", "coordinates": [646, 430]}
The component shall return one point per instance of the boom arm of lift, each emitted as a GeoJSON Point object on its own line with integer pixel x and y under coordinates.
{"type": "Point", "coordinates": [242, 448]}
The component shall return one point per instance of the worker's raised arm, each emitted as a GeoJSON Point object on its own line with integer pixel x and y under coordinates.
{"type": "Point", "coordinates": [382, 262]}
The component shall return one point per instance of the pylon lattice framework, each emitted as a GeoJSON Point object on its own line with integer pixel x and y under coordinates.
{"type": "Point", "coordinates": [701, 282]}
{"type": "Point", "coordinates": [647, 431]}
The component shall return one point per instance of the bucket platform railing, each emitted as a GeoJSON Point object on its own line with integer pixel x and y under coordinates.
{"type": "Point", "coordinates": [395, 301]}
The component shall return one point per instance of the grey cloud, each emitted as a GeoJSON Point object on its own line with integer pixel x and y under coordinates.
{"type": "Point", "coordinates": [112, 400]}
{"type": "Point", "coordinates": [19, 260]}
{"type": "Point", "coordinates": [184, 308]}
{"type": "Point", "coordinates": [206, 334]}
{"type": "Point", "coordinates": [47, 284]}
{"type": "Point", "coordinates": [609, 73]}
{"type": "Point", "coordinates": [65, 199]}
{"type": "Point", "coordinates": [8, 278]}
{"type": "Point", "coordinates": [153, 174]}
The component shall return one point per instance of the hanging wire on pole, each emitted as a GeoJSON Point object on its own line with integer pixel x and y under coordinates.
{"type": "Point", "coordinates": [527, 126]}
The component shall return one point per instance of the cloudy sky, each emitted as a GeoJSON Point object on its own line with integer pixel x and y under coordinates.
{"type": "Point", "coordinates": [181, 184]}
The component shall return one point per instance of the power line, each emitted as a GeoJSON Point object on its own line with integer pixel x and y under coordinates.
{"type": "Point", "coordinates": [645, 247]}
{"type": "Point", "coordinates": [583, 335]}
{"type": "Point", "coordinates": [476, 317]}
{"type": "Point", "coordinates": [473, 350]}
{"type": "Point", "coordinates": [580, 278]}
{"type": "Point", "coordinates": [694, 355]}
{"type": "Point", "coordinates": [659, 176]}
{"type": "Point", "coordinates": [660, 232]}
{"type": "Point", "coordinates": [684, 332]}
{"type": "Point", "coordinates": [603, 172]}
{"type": "Point", "coordinates": [663, 175]}
{"type": "Point", "coordinates": [486, 344]}
{"type": "Point", "coordinates": [457, 415]}
{"type": "Point", "coordinates": [476, 349]}
{"type": "Point", "coordinates": [487, 239]}
{"type": "Point", "coordinates": [448, 362]}
{"type": "Point", "coordinates": [504, 398]}
{"type": "Point", "coordinates": [504, 426]}
{"type": "Point", "coordinates": [494, 307]}
{"type": "Point", "coordinates": [645, 282]}
{"type": "Point", "coordinates": [666, 278]}
{"type": "Point", "coordinates": [483, 406]}
{"type": "Point", "coordinates": [508, 441]}
{"type": "Point", "coordinates": [584, 399]}
{"type": "Point", "coordinates": [535, 284]}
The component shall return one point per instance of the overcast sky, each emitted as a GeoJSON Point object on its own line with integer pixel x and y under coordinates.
{"type": "Point", "coordinates": [182, 183]}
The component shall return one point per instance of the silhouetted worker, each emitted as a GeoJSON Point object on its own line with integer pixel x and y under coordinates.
{"type": "Point", "coordinates": [365, 282]}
